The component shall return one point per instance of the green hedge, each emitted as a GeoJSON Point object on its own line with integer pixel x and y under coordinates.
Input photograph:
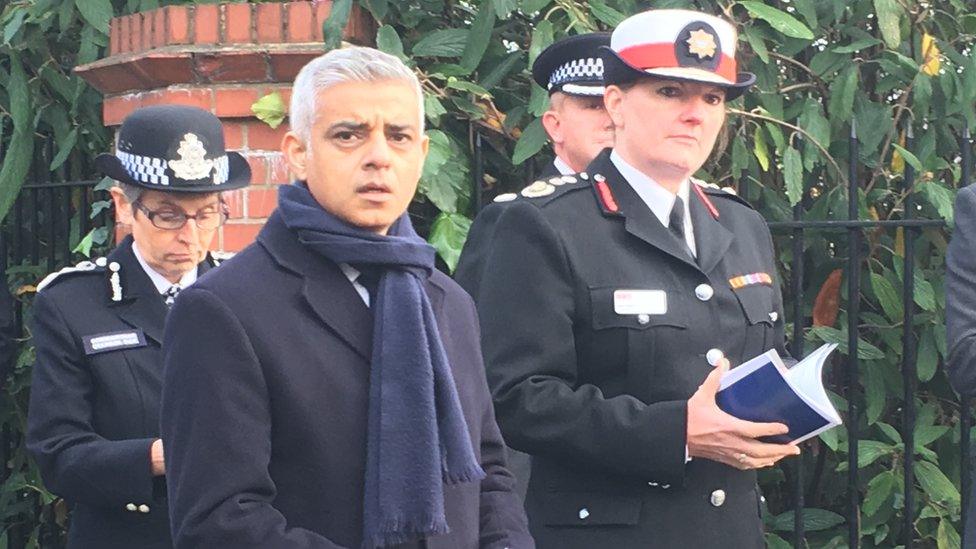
{"type": "Point", "coordinates": [822, 65]}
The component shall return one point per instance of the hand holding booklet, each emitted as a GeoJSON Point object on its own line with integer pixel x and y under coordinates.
{"type": "Point", "coordinates": [765, 390]}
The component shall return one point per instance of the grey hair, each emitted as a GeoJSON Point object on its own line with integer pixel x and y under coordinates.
{"type": "Point", "coordinates": [131, 192]}
{"type": "Point", "coordinates": [352, 64]}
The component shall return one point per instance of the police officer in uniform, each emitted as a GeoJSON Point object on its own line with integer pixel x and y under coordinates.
{"type": "Point", "coordinates": [614, 300]}
{"type": "Point", "coordinates": [578, 127]}
{"type": "Point", "coordinates": [93, 421]}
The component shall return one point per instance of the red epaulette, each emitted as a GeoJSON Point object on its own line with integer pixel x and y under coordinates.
{"type": "Point", "coordinates": [604, 196]}
{"type": "Point", "coordinates": [705, 200]}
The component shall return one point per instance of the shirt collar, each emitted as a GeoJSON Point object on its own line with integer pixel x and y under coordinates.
{"type": "Point", "coordinates": [657, 198]}
{"type": "Point", "coordinates": [159, 281]}
{"type": "Point", "coordinates": [562, 167]}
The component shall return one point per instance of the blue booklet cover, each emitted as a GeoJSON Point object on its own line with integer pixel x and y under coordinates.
{"type": "Point", "coordinates": [765, 390]}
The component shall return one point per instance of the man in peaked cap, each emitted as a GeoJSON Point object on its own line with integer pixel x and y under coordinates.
{"type": "Point", "coordinates": [617, 298]}
{"type": "Point", "coordinates": [93, 421]}
{"type": "Point", "coordinates": [578, 126]}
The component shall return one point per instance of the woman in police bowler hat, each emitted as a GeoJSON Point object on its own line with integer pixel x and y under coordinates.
{"type": "Point", "coordinates": [93, 420]}
{"type": "Point", "coordinates": [616, 300]}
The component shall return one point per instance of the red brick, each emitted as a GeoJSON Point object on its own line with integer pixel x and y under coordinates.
{"type": "Point", "coordinates": [285, 65]}
{"type": "Point", "coordinates": [177, 25]}
{"type": "Point", "coordinates": [194, 97]}
{"type": "Point", "coordinates": [269, 23]}
{"type": "Point", "coordinates": [145, 30]}
{"type": "Point", "coordinates": [233, 135]}
{"type": "Point", "coordinates": [207, 24]}
{"type": "Point", "coordinates": [259, 169]}
{"type": "Point", "coordinates": [125, 45]}
{"type": "Point", "coordinates": [236, 236]}
{"type": "Point", "coordinates": [278, 172]}
{"type": "Point", "coordinates": [159, 28]}
{"type": "Point", "coordinates": [260, 136]}
{"type": "Point", "coordinates": [322, 11]}
{"type": "Point", "coordinates": [261, 202]}
{"type": "Point", "coordinates": [235, 203]}
{"type": "Point", "coordinates": [361, 27]}
{"type": "Point", "coordinates": [300, 22]}
{"type": "Point", "coordinates": [237, 23]}
{"type": "Point", "coordinates": [115, 109]}
{"type": "Point", "coordinates": [114, 38]}
{"type": "Point", "coordinates": [234, 102]}
{"type": "Point", "coordinates": [161, 69]}
{"type": "Point", "coordinates": [112, 78]}
{"type": "Point", "coordinates": [231, 66]}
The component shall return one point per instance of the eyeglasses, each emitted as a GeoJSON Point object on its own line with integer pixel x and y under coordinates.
{"type": "Point", "coordinates": [171, 220]}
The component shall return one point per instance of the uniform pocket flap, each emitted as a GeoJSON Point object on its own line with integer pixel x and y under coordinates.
{"type": "Point", "coordinates": [590, 509]}
{"type": "Point", "coordinates": [655, 307]}
{"type": "Point", "coordinates": [757, 303]}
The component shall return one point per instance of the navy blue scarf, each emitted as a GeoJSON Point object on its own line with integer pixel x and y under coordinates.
{"type": "Point", "coordinates": [417, 438]}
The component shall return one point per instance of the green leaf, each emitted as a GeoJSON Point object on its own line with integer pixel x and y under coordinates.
{"type": "Point", "coordinates": [334, 24]}
{"type": "Point", "coordinates": [479, 36]}
{"type": "Point", "coordinates": [759, 149]}
{"type": "Point", "coordinates": [444, 180]}
{"type": "Point", "coordinates": [857, 45]}
{"type": "Point", "coordinates": [890, 432]}
{"type": "Point", "coordinates": [542, 37]}
{"type": "Point", "coordinates": [270, 109]}
{"type": "Point", "coordinates": [778, 19]}
{"type": "Point", "coordinates": [500, 71]}
{"type": "Point", "coordinates": [20, 149]}
{"type": "Point", "coordinates": [946, 536]}
{"type": "Point", "coordinates": [442, 43]}
{"type": "Point", "coordinates": [880, 489]}
{"type": "Point", "coordinates": [775, 542]}
{"type": "Point", "coordinates": [758, 43]}
{"type": "Point", "coordinates": [909, 157]}
{"type": "Point", "coordinates": [793, 175]}
{"type": "Point", "coordinates": [869, 451]}
{"type": "Point", "coordinates": [888, 297]}
{"type": "Point", "coordinates": [387, 40]}
{"type": "Point", "coordinates": [532, 6]}
{"type": "Point", "coordinates": [447, 236]}
{"type": "Point", "coordinates": [538, 100]}
{"type": "Point", "coordinates": [808, 11]}
{"type": "Point", "coordinates": [936, 485]}
{"type": "Point", "coordinates": [924, 292]}
{"type": "Point", "coordinates": [814, 520]}
{"type": "Point", "coordinates": [98, 206]}
{"type": "Point", "coordinates": [65, 146]}
{"type": "Point", "coordinates": [14, 24]}
{"type": "Point", "coordinates": [927, 434]}
{"type": "Point", "coordinates": [830, 437]}
{"type": "Point", "coordinates": [84, 247]}
{"type": "Point", "coordinates": [105, 184]}
{"type": "Point", "coordinates": [841, 103]}
{"type": "Point", "coordinates": [433, 109]}
{"type": "Point", "coordinates": [740, 156]}
{"type": "Point", "coordinates": [531, 141]}
{"type": "Point", "coordinates": [97, 12]}
{"type": "Point", "coordinates": [889, 21]}
{"type": "Point", "coordinates": [464, 85]}
{"type": "Point", "coordinates": [939, 197]}
{"type": "Point", "coordinates": [928, 359]}
{"type": "Point", "coordinates": [605, 14]}
{"type": "Point", "coordinates": [874, 392]}
{"type": "Point", "coordinates": [504, 8]}
{"type": "Point", "coordinates": [379, 8]}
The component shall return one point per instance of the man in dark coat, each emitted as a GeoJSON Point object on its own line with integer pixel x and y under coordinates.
{"type": "Point", "coordinates": [93, 421]}
{"type": "Point", "coordinates": [612, 302]}
{"type": "Point", "coordinates": [325, 387]}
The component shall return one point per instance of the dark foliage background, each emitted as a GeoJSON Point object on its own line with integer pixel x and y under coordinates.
{"type": "Point", "coordinates": [823, 66]}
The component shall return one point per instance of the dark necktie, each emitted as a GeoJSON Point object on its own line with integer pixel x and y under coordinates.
{"type": "Point", "coordinates": [676, 224]}
{"type": "Point", "coordinates": [171, 294]}
{"type": "Point", "coordinates": [369, 278]}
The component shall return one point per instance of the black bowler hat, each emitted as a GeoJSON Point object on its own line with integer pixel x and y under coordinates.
{"type": "Point", "coordinates": [572, 65]}
{"type": "Point", "coordinates": [677, 45]}
{"type": "Point", "coordinates": [174, 148]}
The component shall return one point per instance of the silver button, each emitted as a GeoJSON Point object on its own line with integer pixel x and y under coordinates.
{"type": "Point", "coordinates": [704, 292]}
{"type": "Point", "coordinates": [652, 484]}
{"type": "Point", "coordinates": [101, 262]}
{"type": "Point", "coordinates": [584, 176]}
{"type": "Point", "coordinates": [143, 508]}
{"type": "Point", "coordinates": [773, 316]}
{"type": "Point", "coordinates": [713, 356]}
{"type": "Point", "coordinates": [643, 318]}
{"type": "Point", "coordinates": [583, 513]}
{"type": "Point", "coordinates": [718, 498]}
{"type": "Point", "coordinates": [131, 507]}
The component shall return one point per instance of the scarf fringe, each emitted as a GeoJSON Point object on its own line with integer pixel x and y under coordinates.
{"type": "Point", "coordinates": [473, 473]}
{"type": "Point", "coordinates": [400, 529]}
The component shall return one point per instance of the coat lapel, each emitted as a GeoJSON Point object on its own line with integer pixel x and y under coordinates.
{"type": "Point", "coordinates": [141, 306]}
{"type": "Point", "coordinates": [638, 218]}
{"type": "Point", "coordinates": [712, 239]}
{"type": "Point", "coordinates": [326, 289]}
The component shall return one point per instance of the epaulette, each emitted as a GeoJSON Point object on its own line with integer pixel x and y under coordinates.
{"type": "Point", "coordinates": [83, 267]}
{"type": "Point", "coordinates": [544, 191]}
{"type": "Point", "coordinates": [724, 192]}
{"type": "Point", "coordinates": [219, 257]}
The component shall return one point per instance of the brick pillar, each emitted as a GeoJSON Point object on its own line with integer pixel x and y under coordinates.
{"type": "Point", "coordinates": [220, 57]}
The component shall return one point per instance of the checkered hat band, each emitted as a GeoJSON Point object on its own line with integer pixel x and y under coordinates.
{"type": "Point", "coordinates": [152, 170]}
{"type": "Point", "coordinates": [658, 56]}
{"type": "Point", "coordinates": [577, 70]}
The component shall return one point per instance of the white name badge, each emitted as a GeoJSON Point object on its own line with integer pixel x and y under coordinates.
{"type": "Point", "coordinates": [640, 302]}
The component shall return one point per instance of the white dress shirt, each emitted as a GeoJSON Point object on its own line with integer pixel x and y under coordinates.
{"type": "Point", "coordinates": [562, 167]}
{"type": "Point", "coordinates": [658, 199]}
{"type": "Point", "coordinates": [159, 281]}
{"type": "Point", "coordinates": [352, 274]}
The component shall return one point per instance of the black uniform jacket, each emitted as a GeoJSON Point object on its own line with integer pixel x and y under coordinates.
{"type": "Point", "coordinates": [94, 407]}
{"type": "Point", "coordinates": [265, 406]}
{"type": "Point", "coordinates": [596, 392]}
